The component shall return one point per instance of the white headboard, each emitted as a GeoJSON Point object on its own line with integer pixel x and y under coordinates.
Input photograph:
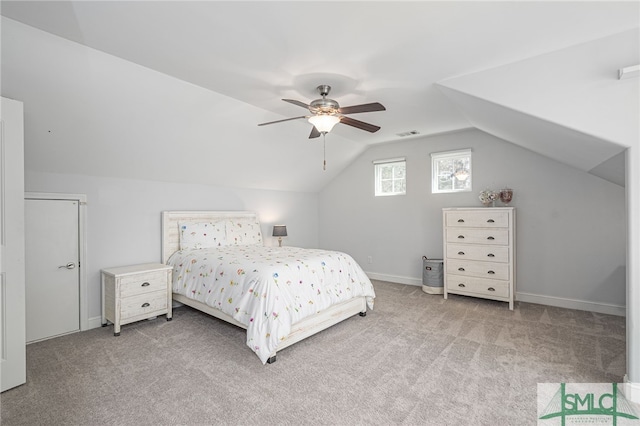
{"type": "Point", "coordinates": [171, 232]}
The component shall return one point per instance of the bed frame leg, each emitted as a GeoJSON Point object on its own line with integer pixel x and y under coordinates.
{"type": "Point", "coordinates": [271, 359]}
{"type": "Point", "coordinates": [363, 314]}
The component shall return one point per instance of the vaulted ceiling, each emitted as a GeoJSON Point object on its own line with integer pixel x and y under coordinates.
{"type": "Point", "coordinates": [220, 68]}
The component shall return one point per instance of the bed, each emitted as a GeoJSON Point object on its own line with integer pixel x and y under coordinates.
{"type": "Point", "coordinates": [280, 295]}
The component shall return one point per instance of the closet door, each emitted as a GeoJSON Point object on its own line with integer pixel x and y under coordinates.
{"type": "Point", "coordinates": [12, 288]}
{"type": "Point", "coordinates": [52, 267]}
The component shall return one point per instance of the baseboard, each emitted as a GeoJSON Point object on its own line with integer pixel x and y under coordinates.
{"type": "Point", "coordinates": [394, 278]}
{"type": "Point", "coordinates": [631, 390]}
{"type": "Point", "coordinates": [94, 322]}
{"type": "Point", "coordinates": [582, 305]}
{"type": "Point", "coordinates": [560, 302]}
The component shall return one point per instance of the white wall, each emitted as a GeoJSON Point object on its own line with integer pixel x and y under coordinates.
{"type": "Point", "coordinates": [570, 224]}
{"type": "Point", "coordinates": [123, 216]}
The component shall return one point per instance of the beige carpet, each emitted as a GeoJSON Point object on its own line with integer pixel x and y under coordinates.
{"type": "Point", "coordinates": [416, 359]}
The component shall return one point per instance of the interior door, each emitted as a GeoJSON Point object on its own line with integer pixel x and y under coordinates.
{"type": "Point", "coordinates": [13, 359]}
{"type": "Point", "coordinates": [52, 268]}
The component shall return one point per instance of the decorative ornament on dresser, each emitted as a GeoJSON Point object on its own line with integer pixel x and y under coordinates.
{"type": "Point", "coordinates": [488, 197]}
{"type": "Point", "coordinates": [506, 195]}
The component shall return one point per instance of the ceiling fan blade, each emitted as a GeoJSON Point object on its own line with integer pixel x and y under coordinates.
{"type": "Point", "coordinates": [280, 121]}
{"type": "Point", "coordinates": [375, 106]}
{"type": "Point", "coordinates": [293, 101]}
{"type": "Point", "coordinates": [314, 133]}
{"type": "Point", "coordinates": [359, 124]}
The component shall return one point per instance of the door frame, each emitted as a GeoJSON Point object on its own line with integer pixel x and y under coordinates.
{"type": "Point", "coordinates": [82, 245]}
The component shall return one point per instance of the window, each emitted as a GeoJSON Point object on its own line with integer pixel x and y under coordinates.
{"type": "Point", "coordinates": [451, 171]}
{"type": "Point", "coordinates": [390, 177]}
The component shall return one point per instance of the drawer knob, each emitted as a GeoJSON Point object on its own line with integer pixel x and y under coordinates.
{"type": "Point", "coordinates": [490, 238]}
{"type": "Point", "coordinates": [491, 289]}
{"type": "Point", "coordinates": [461, 253]}
{"type": "Point", "coordinates": [461, 237]}
{"type": "Point", "coordinates": [491, 272]}
{"type": "Point", "coordinates": [491, 255]}
{"type": "Point", "coordinates": [460, 220]}
{"type": "Point", "coordinates": [461, 285]}
{"type": "Point", "coordinates": [461, 269]}
{"type": "Point", "coordinates": [145, 284]}
{"type": "Point", "coordinates": [491, 221]}
{"type": "Point", "coordinates": [145, 305]}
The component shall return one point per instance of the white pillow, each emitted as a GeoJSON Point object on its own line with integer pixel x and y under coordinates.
{"type": "Point", "coordinates": [197, 235]}
{"type": "Point", "coordinates": [243, 232]}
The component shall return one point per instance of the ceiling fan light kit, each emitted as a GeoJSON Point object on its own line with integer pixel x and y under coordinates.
{"type": "Point", "coordinates": [324, 122]}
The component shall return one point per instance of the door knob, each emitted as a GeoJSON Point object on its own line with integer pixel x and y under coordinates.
{"type": "Point", "coordinates": [69, 265]}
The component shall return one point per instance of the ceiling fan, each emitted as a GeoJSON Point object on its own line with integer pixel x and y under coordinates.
{"type": "Point", "coordinates": [326, 113]}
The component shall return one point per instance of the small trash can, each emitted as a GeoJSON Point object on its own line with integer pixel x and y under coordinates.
{"type": "Point", "coordinates": [432, 276]}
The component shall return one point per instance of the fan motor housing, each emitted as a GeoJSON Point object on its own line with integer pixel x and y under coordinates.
{"type": "Point", "coordinates": [324, 105]}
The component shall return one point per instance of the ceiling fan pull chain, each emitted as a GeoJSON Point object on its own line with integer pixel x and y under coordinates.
{"type": "Point", "coordinates": [324, 151]}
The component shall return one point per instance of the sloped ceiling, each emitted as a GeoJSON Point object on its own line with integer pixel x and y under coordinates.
{"type": "Point", "coordinates": [173, 90]}
{"type": "Point", "coordinates": [568, 105]}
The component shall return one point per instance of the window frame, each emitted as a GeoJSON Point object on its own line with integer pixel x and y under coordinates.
{"type": "Point", "coordinates": [377, 173]}
{"type": "Point", "coordinates": [436, 175]}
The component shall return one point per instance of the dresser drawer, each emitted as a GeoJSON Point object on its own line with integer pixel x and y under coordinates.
{"type": "Point", "coordinates": [490, 270]}
{"type": "Point", "coordinates": [478, 252]}
{"type": "Point", "coordinates": [143, 283]}
{"type": "Point", "coordinates": [480, 286]}
{"type": "Point", "coordinates": [498, 236]}
{"type": "Point", "coordinates": [143, 304]}
{"type": "Point", "coordinates": [485, 218]}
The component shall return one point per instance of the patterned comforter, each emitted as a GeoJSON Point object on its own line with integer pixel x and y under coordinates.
{"type": "Point", "coordinates": [268, 288]}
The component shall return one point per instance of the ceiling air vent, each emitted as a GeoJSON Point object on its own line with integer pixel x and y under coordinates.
{"type": "Point", "coordinates": [410, 133]}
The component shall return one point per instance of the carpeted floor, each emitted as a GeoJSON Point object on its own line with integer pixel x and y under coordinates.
{"type": "Point", "coordinates": [416, 359]}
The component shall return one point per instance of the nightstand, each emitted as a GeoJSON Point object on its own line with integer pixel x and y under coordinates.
{"type": "Point", "coordinates": [136, 292]}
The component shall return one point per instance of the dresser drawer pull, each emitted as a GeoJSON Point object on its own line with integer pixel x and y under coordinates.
{"type": "Point", "coordinates": [145, 305]}
{"type": "Point", "coordinates": [145, 284]}
{"type": "Point", "coordinates": [490, 238]}
{"type": "Point", "coordinates": [490, 272]}
{"type": "Point", "coordinates": [461, 237]}
{"type": "Point", "coordinates": [460, 220]}
{"type": "Point", "coordinates": [491, 255]}
{"type": "Point", "coordinates": [461, 269]}
{"type": "Point", "coordinates": [491, 289]}
{"type": "Point", "coordinates": [461, 285]}
{"type": "Point", "coordinates": [461, 253]}
{"type": "Point", "coordinates": [491, 221]}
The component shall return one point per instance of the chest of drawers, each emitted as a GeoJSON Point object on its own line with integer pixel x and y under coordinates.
{"type": "Point", "coordinates": [479, 252]}
{"type": "Point", "coordinates": [136, 292]}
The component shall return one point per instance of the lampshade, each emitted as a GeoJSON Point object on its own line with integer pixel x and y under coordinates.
{"type": "Point", "coordinates": [324, 122]}
{"type": "Point", "coordinates": [279, 230]}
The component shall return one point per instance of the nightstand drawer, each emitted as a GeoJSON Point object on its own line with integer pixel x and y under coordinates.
{"type": "Point", "coordinates": [461, 284]}
{"type": "Point", "coordinates": [143, 283]}
{"type": "Point", "coordinates": [143, 304]}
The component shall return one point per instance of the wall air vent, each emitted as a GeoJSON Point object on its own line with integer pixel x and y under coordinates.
{"type": "Point", "coordinates": [410, 133]}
